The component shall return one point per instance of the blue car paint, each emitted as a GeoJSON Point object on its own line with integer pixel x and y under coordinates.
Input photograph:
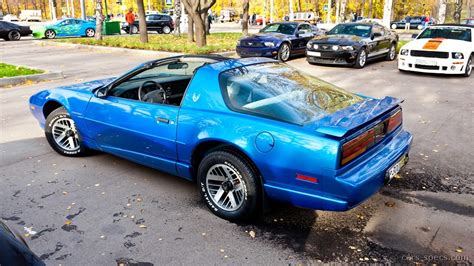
{"type": "Point", "coordinates": [107, 124]}
{"type": "Point", "coordinates": [73, 30]}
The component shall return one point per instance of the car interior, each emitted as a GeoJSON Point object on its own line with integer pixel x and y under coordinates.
{"type": "Point", "coordinates": [161, 84]}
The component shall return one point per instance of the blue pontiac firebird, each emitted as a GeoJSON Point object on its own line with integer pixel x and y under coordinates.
{"type": "Point", "coordinates": [243, 129]}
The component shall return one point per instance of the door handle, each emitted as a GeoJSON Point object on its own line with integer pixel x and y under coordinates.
{"type": "Point", "coordinates": [162, 120]}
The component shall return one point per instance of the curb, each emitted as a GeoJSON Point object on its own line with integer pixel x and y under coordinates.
{"type": "Point", "coordinates": [122, 50]}
{"type": "Point", "coordinates": [4, 82]}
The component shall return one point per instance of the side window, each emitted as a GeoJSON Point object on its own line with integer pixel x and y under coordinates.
{"type": "Point", "coordinates": [378, 31]}
{"type": "Point", "coordinates": [305, 27]}
{"type": "Point", "coordinates": [158, 17]}
{"type": "Point", "coordinates": [78, 21]}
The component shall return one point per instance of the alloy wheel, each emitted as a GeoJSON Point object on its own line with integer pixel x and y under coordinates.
{"type": "Point", "coordinates": [285, 52]}
{"type": "Point", "coordinates": [226, 187]}
{"type": "Point", "coordinates": [362, 58]}
{"type": "Point", "coordinates": [166, 30]}
{"type": "Point", "coordinates": [50, 34]}
{"type": "Point", "coordinates": [90, 32]}
{"type": "Point", "coordinates": [65, 134]}
{"type": "Point", "coordinates": [393, 52]}
{"type": "Point", "coordinates": [14, 35]}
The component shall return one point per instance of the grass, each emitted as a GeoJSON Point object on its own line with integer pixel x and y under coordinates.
{"type": "Point", "coordinates": [216, 42]}
{"type": "Point", "coordinates": [7, 70]}
{"type": "Point", "coordinates": [400, 44]}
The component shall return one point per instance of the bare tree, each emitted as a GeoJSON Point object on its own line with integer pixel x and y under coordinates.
{"type": "Point", "coordinates": [142, 22]}
{"type": "Point", "coordinates": [245, 17]}
{"type": "Point", "coordinates": [371, 12]}
{"type": "Point", "coordinates": [362, 9]}
{"type": "Point", "coordinates": [190, 29]}
{"type": "Point", "coordinates": [99, 18]}
{"type": "Point", "coordinates": [442, 11]}
{"type": "Point", "coordinates": [342, 10]}
{"type": "Point", "coordinates": [457, 11]}
{"type": "Point", "coordinates": [197, 10]}
{"type": "Point", "coordinates": [177, 21]}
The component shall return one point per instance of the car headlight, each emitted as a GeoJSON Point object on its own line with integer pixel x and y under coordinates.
{"type": "Point", "coordinates": [457, 55]}
{"type": "Point", "coordinates": [347, 48]}
{"type": "Point", "coordinates": [309, 45]}
{"type": "Point", "coordinates": [238, 43]}
{"type": "Point", "coordinates": [269, 44]}
{"type": "Point", "coordinates": [404, 52]}
{"type": "Point", "coordinates": [335, 47]}
{"type": "Point", "coordinates": [316, 46]}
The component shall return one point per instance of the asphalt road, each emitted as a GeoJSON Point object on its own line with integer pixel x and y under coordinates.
{"type": "Point", "coordinates": [100, 209]}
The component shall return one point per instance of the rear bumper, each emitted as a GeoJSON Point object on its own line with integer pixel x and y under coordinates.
{"type": "Point", "coordinates": [354, 186]}
{"type": "Point", "coordinates": [256, 51]}
{"type": "Point", "coordinates": [443, 66]}
{"type": "Point", "coordinates": [333, 58]}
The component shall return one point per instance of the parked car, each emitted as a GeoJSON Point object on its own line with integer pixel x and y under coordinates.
{"type": "Point", "coordinates": [468, 21]}
{"type": "Point", "coordinates": [259, 20]}
{"type": "Point", "coordinates": [66, 28]}
{"type": "Point", "coordinates": [416, 22]}
{"type": "Point", "coordinates": [10, 17]}
{"type": "Point", "coordinates": [309, 17]}
{"type": "Point", "coordinates": [280, 40]}
{"type": "Point", "coordinates": [14, 250]}
{"type": "Point", "coordinates": [13, 32]}
{"type": "Point", "coordinates": [243, 129]}
{"type": "Point", "coordinates": [31, 15]}
{"type": "Point", "coordinates": [160, 23]}
{"type": "Point", "coordinates": [353, 44]}
{"type": "Point", "coordinates": [440, 49]}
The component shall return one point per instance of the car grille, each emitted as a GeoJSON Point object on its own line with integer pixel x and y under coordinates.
{"type": "Point", "coordinates": [427, 67]}
{"type": "Point", "coordinates": [432, 54]}
{"type": "Point", "coordinates": [252, 44]}
{"type": "Point", "coordinates": [324, 47]}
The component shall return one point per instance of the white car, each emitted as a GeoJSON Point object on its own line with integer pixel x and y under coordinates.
{"type": "Point", "coordinates": [442, 49]}
{"type": "Point", "coordinates": [10, 18]}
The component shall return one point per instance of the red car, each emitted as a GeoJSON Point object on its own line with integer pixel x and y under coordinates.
{"type": "Point", "coordinates": [259, 20]}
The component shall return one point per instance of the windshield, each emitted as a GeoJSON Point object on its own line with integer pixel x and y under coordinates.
{"type": "Point", "coordinates": [280, 28]}
{"type": "Point", "coordinates": [446, 33]}
{"type": "Point", "coordinates": [351, 29]}
{"type": "Point", "coordinates": [280, 92]}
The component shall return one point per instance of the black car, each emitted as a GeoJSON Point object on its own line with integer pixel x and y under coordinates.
{"type": "Point", "coordinates": [280, 40]}
{"type": "Point", "coordinates": [416, 22]}
{"type": "Point", "coordinates": [156, 22]}
{"type": "Point", "coordinates": [13, 32]}
{"type": "Point", "coordinates": [353, 44]}
{"type": "Point", "coordinates": [14, 250]}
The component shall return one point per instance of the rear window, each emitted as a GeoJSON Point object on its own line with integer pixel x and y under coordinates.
{"type": "Point", "coordinates": [280, 92]}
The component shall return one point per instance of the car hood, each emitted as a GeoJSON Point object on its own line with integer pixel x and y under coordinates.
{"type": "Point", "coordinates": [339, 123]}
{"type": "Point", "coordinates": [446, 45]}
{"type": "Point", "coordinates": [338, 39]}
{"type": "Point", "coordinates": [88, 86]}
{"type": "Point", "coordinates": [265, 37]}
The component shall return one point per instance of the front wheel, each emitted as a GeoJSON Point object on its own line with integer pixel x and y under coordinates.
{"type": "Point", "coordinates": [50, 34]}
{"type": "Point", "coordinates": [166, 30]}
{"type": "Point", "coordinates": [394, 26]}
{"type": "Point", "coordinates": [284, 52]}
{"type": "Point", "coordinates": [361, 59]}
{"type": "Point", "coordinates": [90, 32]}
{"type": "Point", "coordinates": [392, 52]}
{"type": "Point", "coordinates": [228, 185]}
{"type": "Point", "coordinates": [62, 134]}
{"type": "Point", "coordinates": [14, 35]}
{"type": "Point", "coordinates": [468, 70]}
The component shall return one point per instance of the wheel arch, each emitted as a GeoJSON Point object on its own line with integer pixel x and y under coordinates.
{"type": "Point", "coordinates": [50, 106]}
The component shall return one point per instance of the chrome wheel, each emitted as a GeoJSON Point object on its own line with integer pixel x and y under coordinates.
{"type": "Point", "coordinates": [392, 53]}
{"type": "Point", "coordinates": [166, 30]}
{"type": "Point", "coordinates": [284, 52]}
{"type": "Point", "coordinates": [14, 35]}
{"type": "Point", "coordinates": [50, 34]}
{"type": "Point", "coordinates": [65, 134]}
{"type": "Point", "coordinates": [90, 32]}
{"type": "Point", "coordinates": [362, 58]}
{"type": "Point", "coordinates": [226, 187]}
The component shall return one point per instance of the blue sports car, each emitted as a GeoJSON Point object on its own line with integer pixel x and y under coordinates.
{"type": "Point", "coordinates": [278, 40]}
{"type": "Point", "coordinates": [242, 129]}
{"type": "Point", "coordinates": [66, 28]}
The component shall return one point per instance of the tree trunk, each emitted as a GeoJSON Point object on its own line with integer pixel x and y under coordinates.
{"type": "Point", "coordinates": [338, 15]}
{"type": "Point", "coordinates": [200, 31]}
{"type": "Point", "coordinates": [458, 11]}
{"type": "Point", "coordinates": [298, 2]}
{"type": "Point", "coordinates": [99, 20]}
{"type": "Point", "coordinates": [371, 12]}
{"type": "Point", "coordinates": [245, 17]}
{"type": "Point", "coordinates": [387, 13]}
{"type": "Point", "coordinates": [442, 11]}
{"type": "Point", "coordinates": [142, 22]}
{"type": "Point", "coordinates": [177, 21]}
{"type": "Point", "coordinates": [362, 9]}
{"type": "Point", "coordinates": [342, 11]}
{"type": "Point", "coordinates": [190, 29]}
{"type": "Point", "coordinates": [197, 9]}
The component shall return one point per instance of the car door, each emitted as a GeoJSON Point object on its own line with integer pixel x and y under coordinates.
{"type": "Point", "coordinates": [377, 41]}
{"type": "Point", "coordinates": [303, 34]}
{"type": "Point", "coordinates": [140, 131]}
{"type": "Point", "coordinates": [152, 22]}
{"type": "Point", "coordinates": [66, 28]}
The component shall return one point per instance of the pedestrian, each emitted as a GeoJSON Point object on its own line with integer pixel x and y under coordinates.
{"type": "Point", "coordinates": [254, 19]}
{"type": "Point", "coordinates": [130, 18]}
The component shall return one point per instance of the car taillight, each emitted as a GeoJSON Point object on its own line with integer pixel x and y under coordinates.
{"type": "Point", "coordinates": [394, 121]}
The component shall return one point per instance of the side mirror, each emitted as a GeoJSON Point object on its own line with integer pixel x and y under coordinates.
{"type": "Point", "coordinates": [101, 93]}
{"type": "Point", "coordinates": [414, 36]}
{"type": "Point", "coordinates": [300, 32]}
{"type": "Point", "coordinates": [372, 36]}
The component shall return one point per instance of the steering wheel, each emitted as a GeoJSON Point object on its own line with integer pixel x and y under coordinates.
{"type": "Point", "coordinates": [149, 95]}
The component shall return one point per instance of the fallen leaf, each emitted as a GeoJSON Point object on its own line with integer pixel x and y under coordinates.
{"type": "Point", "coordinates": [390, 204]}
{"type": "Point", "coordinates": [222, 250]}
{"type": "Point", "coordinates": [142, 226]}
{"type": "Point", "coordinates": [203, 234]}
{"type": "Point", "coordinates": [252, 234]}
{"type": "Point", "coordinates": [64, 192]}
{"type": "Point", "coordinates": [459, 250]}
{"type": "Point", "coordinates": [96, 185]}
{"type": "Point", "coordinates": [352, 247]}
{"type": "Point", "coordinates": [68, 222]}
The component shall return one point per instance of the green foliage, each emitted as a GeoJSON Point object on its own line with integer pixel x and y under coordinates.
{"type": "Point", "coordinates": [7, 70]}
{"type": "Point", "coordinates": [216, 42]}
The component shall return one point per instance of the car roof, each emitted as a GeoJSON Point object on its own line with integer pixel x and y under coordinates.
{"type": "Point", "coordinates": [452, 25]}
{"type": "Point", "coordinates": [369, 23]}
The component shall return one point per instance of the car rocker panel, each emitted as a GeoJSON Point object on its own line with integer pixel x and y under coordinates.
{"type": "Point", "coordinates": [437, 55]}
{"type": "Point", "coordinates": [333, 160]}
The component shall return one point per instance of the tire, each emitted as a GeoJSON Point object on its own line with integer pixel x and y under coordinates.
{"type": "Point", "coordinates": [284, 52]}
{"type": "Point", "coordinates": [420, 27]}
{"type": "Point", "coordinates": [90, 32]}
{"type": "Point", "coordinates": [215, 187]}
{"type": "Point", "coordinates": [468, 70]}
{"type": "Point", "coordinates": [134, 29]}
{"type": "Point", "coordinates": [394, 26]}
{"type": "Point", "coordinates": [392, 52]}
{"type": "Point", "coordinates": [361, 59]}
{"type": "Point", "coordinates": [50, 34]}
{"type": "Point", "coordinates": [14, 35]}
{"type": "Point", "coordinates": [62, 135]}
{"type": "Point", "coordinates": [166, 30]}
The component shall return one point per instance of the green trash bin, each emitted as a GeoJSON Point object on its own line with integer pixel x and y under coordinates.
{"type": "Point", "coordinates": [111, 27]}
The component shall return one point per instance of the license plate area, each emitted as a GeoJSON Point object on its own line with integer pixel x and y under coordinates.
{"type": "Point", "coordinates": [426, 62]}
{"type": "Point", "coordinates": [393, 170]}
{"type": "Point", "coordinates": [311, 53]}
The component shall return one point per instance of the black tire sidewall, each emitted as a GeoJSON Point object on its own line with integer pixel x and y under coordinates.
{"type": "Point", "coordinates": [50, 120]}
{"type": "Point", "coordinates": [248, 175]}
{"type": "Point", "coordinates": [281, 49]}
{"type": "Point", "coordinates": [10, 35]}
{"type": "Point", "coordinates": [468, 65]}
{"type": "Point", "coordinates": [163, 30]}
{"type": "Point", "coordinates": [92, 30]}
{"type": "Point", "coordinates": [47, 35]}
{"type": "Point", "coordinates": [389, 49]}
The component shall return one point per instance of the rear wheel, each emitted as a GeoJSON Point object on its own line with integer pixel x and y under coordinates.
{"type": "Point", "coordinates": [392, 52]}
{"type": "Point", "coordinates": [166, 30]}
{"type": "Point", "coordinates": [134, 29]}
{"type": "Point", "coordinates": [284, 52]}
{"type": "Point", "coordinates": [50, 34]}
{"type": "Point", "coordinates": [14, 35]}
{"type": "Point", "coordinates": [361, 59]}
{"type": "Point", "coordinates": [229, 185]}
{"type": "Point", "coordinates": [468, 70]}
{"type": "Point", "coordinates": [394, 26]}
{"type": "Point", "coordinates": [90, 32]}
{"type": "Point", "coordinates": [62, 134]}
